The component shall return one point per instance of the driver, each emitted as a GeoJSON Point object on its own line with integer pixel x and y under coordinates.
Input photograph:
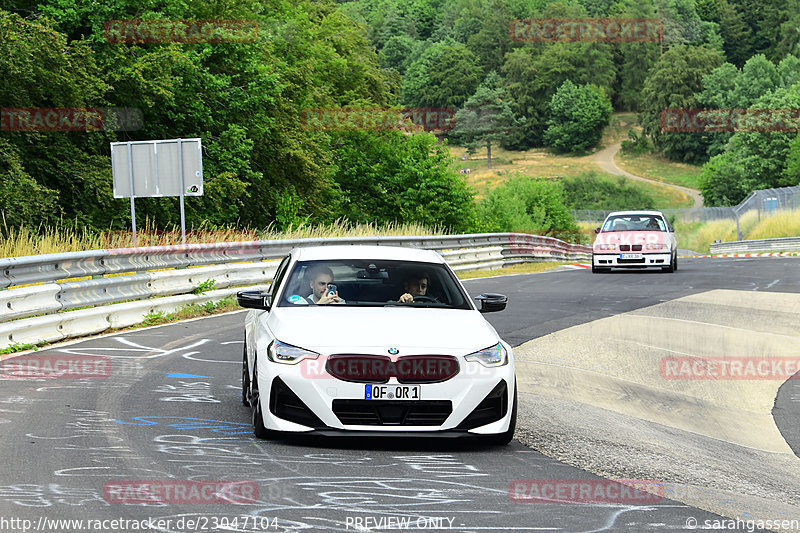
{"type": "Point", "coordinates": [416, 284]}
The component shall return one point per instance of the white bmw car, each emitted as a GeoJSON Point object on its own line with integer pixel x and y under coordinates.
{"type": "Point", "coordinates": [635, 239]}
{"type": "Point", "coordinates": [375, 341]}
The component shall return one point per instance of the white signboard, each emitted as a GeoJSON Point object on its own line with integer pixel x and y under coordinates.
{"type": "Point", "coordinates": [172, 167]}
{"type": "Point", "coordinates": [154, 168]}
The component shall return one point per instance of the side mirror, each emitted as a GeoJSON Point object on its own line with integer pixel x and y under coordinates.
{"type": "Point", "coordinates": [491, 302]}
{"type": "Point", "coordinates": [597, 230]}
{"type": "Point", "coordinates": [254, 299]}
{"type": "Point", "coordinates": [671, 229]}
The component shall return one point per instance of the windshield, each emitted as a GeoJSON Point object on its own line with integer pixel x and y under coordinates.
{"type": "Point", "coordinates": [635, 223]}
{"type": "Point", "coordinates": [372, 283]}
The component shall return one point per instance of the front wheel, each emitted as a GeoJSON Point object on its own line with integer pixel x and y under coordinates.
{"type": "Point", "coordinates": [673, 264]}
{"type": "Point", "coordinates": [259, 430]}
{"type": "Point", "coordinates": [245, 378]}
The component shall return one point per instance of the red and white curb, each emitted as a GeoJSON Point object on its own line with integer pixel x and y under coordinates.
{"type": "Point", "coordinates": [764, 254]}
{"type": "Point", "coordinates": [577, 266]}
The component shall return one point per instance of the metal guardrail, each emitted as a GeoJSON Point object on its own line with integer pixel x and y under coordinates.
{"type": "Point", "coordinates": [39, 294]}
{"type": "Point", "coordinates": [787, 244]}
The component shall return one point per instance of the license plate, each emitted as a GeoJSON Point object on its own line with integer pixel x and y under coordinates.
{"type": "Point", "coordinates": [391, 392]}
{"type": "Point", "coordinates": [630, 256]}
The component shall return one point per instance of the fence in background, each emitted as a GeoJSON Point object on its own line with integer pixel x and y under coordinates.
{"type": "Point", "coordinates": [47, 298]}
{"type": "Point", "coordinates": [764, 202]}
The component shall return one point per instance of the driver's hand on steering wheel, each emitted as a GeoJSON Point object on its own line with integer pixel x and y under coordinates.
{"type": "Point", "coordinates": [405, 298]}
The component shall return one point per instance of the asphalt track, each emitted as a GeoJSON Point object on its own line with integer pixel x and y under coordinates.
{"type": "Point", "coordinates": [170, 410]}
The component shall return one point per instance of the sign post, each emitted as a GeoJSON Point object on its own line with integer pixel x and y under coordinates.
{"type": "Point", "coordinates": [171, 167]}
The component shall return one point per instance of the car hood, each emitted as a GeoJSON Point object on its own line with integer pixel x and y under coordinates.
{"type": "Point", "coordinates": [342, 329]}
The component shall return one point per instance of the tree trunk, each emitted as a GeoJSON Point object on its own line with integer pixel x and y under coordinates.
{"type": "Point", "coordinates": [489, 153]}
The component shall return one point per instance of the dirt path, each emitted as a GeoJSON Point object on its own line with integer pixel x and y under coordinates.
{"type": "Point", "coordinates": [605, 160]}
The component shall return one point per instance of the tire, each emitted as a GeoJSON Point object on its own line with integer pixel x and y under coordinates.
{"type": "Point", "coordinates": [501, 439]}
{"type": "Point", "coordinates": [245, 378]}
{"type": "Point", "coordinates": [258, 418]}
{"type": "Point", "coordinates": [673, 264]}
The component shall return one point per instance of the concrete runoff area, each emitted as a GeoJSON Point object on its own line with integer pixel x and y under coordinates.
{"type": "Point", "coordinates": [595, 396]}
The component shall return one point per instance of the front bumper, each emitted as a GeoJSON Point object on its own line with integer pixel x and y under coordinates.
{"type": "Point", "coordinates": [464, 405]}
{"type": "Point", "coordinates": [648, 260]}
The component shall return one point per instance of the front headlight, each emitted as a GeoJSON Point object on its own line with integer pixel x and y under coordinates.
{"type": "Point", "coordinates": [280, 352]}
{"type": "Point", "coordinates": [656, 246]}
{"type": "Point", "coordinates": [495, 355]}
{"type": "Point", "coordinates": [605, 246]}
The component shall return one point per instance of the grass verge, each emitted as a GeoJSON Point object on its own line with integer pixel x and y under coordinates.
{"type": "Point", "coordinates": [524, 268]}
{"type": "Point", "coordinates": [659, 168]}
{"type": "Point", "coordinates": [189, 311]}
{"type": "Point", "coordinates": [24, 241]}
{"type": "Point", "coordinates": [21, 347]}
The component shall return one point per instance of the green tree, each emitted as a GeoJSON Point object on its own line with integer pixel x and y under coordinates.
{"type": "Point", "coordinates": [532, 78]}
{"type": "Point", "coordinates": [792, 171]}
{"type": "Point", "coordinates": [397, 52]}
{"type": "Point", "coordinates": [736, 33]}
{"type": "Point", "coordinates": [492, 41]}
{"type": "Point", "coordinates": [444, 75]}
{"type": "Point", "coordinates": [753, 160]}
{"type": "Point", "coordinates": [722, 181]}
{"type": "Point", "coordinates": [635, 59]}
{"type": "Point", "coordinates": [578, 115]}
{"type": "Point", "coordinates": [789, 70]}
{"type": "Point", "coordinates": [528, 205]}
{"type": "Point", "coordinates": [757, 77]}
{"type": "Point", "coordinates": [393, 177]}
{"type": "Point", "coordinates": [672, 83]}
{"type": "Point", "coordinates": [22, 200]}
{"type": "Point", "coordinates": [485, 118]}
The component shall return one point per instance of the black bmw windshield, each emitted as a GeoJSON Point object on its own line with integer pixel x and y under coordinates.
{"type": "Point", "coordinates": [373, 283]}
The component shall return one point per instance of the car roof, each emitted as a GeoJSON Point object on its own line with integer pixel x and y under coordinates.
{"type": "Point", "coordinates": [616, 213]}
{"type": "Point", "coordinates": [400, 253]}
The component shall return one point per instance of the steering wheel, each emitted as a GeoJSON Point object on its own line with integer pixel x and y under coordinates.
{"type": "Point", "coordinates": [426, 298]}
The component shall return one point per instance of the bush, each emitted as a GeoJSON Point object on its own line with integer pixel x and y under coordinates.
{"type": "Point", "coordinates": [636, 144]}
{"type": "Point", "coordinates": [578, 115]}
{"type": "Point", "coordinates": [589, 190]}
{"type": "Point", "coordinates": [527, 205]}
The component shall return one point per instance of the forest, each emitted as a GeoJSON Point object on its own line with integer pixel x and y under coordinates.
{"type": "Point", "coordinates": [263, 165]}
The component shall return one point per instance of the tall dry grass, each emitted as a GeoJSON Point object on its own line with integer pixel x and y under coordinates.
{"type": "Point", "coordinates": [781, 224]}
{"type": "Point", "coordinates": [698, 236]}
{"type": "Point", "coordinates": [24, 241]}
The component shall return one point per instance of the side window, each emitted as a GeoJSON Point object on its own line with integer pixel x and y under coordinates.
{"type": "Point", "coordinates": [280, 273]}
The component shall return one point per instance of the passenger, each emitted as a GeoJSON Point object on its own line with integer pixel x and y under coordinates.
{"type": "Point", "coordinates": [320, 277]}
